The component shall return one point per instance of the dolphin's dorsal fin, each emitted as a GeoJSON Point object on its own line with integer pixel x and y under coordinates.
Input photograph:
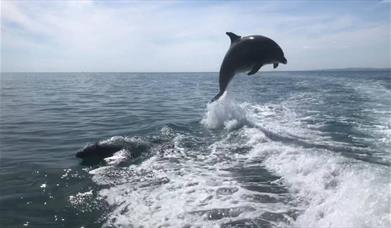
{"type": "Point", "coordinates": [233, 37]}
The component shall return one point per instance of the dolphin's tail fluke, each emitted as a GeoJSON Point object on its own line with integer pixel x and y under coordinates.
{"type": "Point", "coordinates": [217, 96]}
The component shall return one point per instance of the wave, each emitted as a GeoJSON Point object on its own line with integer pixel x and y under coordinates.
{"type": "Point", "coordinates": [259, 165]}
{"type": "Point", "coordinates": [225, 112]}
{"type": "Point", "coordinates": [330, 190]}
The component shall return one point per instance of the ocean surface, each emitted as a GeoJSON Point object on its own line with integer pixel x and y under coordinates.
{"type": "Point", "coordinates": [280, 149]}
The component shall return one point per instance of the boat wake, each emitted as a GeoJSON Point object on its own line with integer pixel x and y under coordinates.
{"type": "Point", "coordinates": [243, 165]}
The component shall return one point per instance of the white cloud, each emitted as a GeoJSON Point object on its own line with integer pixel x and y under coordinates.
{"type": "Point", "coordinates": [171, 36]}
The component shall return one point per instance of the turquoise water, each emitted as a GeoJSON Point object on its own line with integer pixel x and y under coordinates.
{"type": "Point", "coordinates": [280, 149]}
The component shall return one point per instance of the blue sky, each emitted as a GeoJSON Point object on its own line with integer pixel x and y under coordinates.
{"type": "Point", "coordinates": [154, 36]}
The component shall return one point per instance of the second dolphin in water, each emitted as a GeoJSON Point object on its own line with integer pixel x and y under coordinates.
{"type": "Point", "coordinates": [248, 53]}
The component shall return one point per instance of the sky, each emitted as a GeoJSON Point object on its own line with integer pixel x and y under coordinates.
{"type": "Point", "coordinates": [188, 36]}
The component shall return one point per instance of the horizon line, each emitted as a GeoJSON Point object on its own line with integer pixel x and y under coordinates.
{"type": "Point", "coordinates": [268, 71]}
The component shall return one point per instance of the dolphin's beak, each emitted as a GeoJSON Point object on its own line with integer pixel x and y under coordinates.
{"type": "Point", "coordinates": [284, 61]}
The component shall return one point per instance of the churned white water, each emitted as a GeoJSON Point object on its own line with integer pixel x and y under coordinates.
{"type": "Point", "coordinates": [310, 186]}
{"type": "Point", "coordinates": [331, 190]}
{"type": "Point", "coordinates": [278, 150]}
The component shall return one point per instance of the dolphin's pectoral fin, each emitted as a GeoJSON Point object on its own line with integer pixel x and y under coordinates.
{"type": "Point", "coordinates": [233, 37]}
{"type": "Point", "coordinates": [275, 65]}
{"type": "Point", "coordinates": [255, 69]}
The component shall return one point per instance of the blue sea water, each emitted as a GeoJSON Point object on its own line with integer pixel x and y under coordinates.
{"type": "Point", "coordinates": [280, 149]}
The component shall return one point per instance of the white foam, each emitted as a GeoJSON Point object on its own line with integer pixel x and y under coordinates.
{"type": "Point", "coordinates": [118, 157]}
{"type": "Point", "coordinates": [333, 191]}
{"type": "Point", "coordinates": [225, 112]}
{"type": "Point", "coordinates": [175, 189]}
{"type": "Point", "coordinates": [378, 110]}
{"type": "Point", "coordinates": [120, 140]}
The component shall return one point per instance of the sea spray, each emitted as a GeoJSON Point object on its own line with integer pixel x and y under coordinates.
{"type": "Point", "coordinates": [224, 113]}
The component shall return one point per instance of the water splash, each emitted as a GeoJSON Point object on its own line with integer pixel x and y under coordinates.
{"type": "Point", "coordinates": [225, 113]}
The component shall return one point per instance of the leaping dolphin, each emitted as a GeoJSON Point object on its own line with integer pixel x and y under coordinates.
{"type": "Point", "coordinates": [248, 53]}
